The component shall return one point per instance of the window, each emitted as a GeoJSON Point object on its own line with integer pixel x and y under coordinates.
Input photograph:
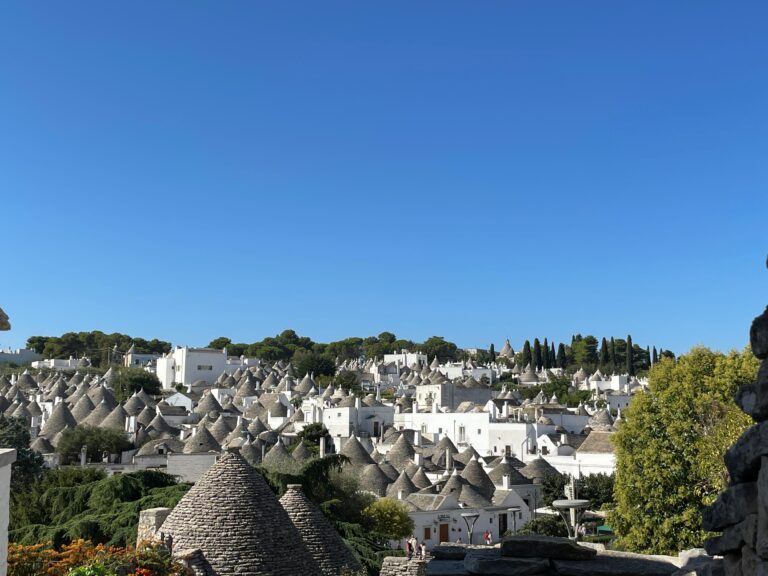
{"type": "Point", "coordinates": [439, 430]}
{"type": "Point", "coordinates": [462, 433]}
{"type": "Point", "coordinates": [202, 367]}
{"type": "Point", "coordinates": [479, 431]}
{"type": "Point", "coordinates": [423, 428]}
{"type": "Point", "coordinates": [427, 533]}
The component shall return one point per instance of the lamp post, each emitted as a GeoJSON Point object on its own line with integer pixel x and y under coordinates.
{"type": "Point", "coordinates": [470, 518]}
{"type": "Point", "coordinates": [513, 511]}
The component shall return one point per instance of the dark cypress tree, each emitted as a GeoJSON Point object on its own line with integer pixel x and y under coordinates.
{"type": "Point", "coordinates": [562, 357]}
{"type": "Point", "coordinates": [526, 354]}
{"type": "Point", "coordinates": [552, 356]}
{"type": "Point", "coordinates": [630, 359]}
{"type": "Point", "coordinates": [655, 355]}
{"type": "Point", "coordinates": [537, 353]}
{"type": "Point", "coordinates": [545, 355]}
{"type": "Point", "coordinates": [492, 353]}
{"type": "Point", "coordinates": [604, 356]}
{"type": "Point", "coordinates": [613, 354]}
{"type": "Point", "coordinates": [647, 357]}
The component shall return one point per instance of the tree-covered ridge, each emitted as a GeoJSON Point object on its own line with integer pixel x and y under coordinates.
{"type": "Point", "coordinates": [96, 345]}
{"type": "Point", "coordinates": [669, 451]}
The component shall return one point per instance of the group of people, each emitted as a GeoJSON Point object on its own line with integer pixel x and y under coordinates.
{"type": "Point", "coordinates": [415, 550]}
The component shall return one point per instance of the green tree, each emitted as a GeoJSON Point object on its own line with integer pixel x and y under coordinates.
{"type": "Point", "coordinates": [389, 518]}
{"type": "Point", "coordinates": [562, 357]}
{"type": "Point", "coordinates": [438, 346]}
{"type": "Point", "coordinates": [536, 354]}
{"type": "Point", "coordinates": [314, 363]}
{"type": "Point", "coordinates": [96, 440]}
{"type": "Point", "coordinates": [545, 354]}
{"type": "Point", "coordinates": [604, 355]}
{"type": "Point", "coordinates": [545, 525]}
{"type": "Point", "coordinates": [219, 343]}
{"type": "Point", "coordinates": [492, 353]}
{"type": "Point", "coordinates": [348, 381]}
{"type": "Point", "coordinates": [630, 357]}
{"type": "Point", "coordinates": [126, 381]}
{"type": "Point", "coordinates": [527, 358]}
{"type": "Point", "coordinates": [28, 467]}
{"type": "Point", "coordinates": [669, 450]}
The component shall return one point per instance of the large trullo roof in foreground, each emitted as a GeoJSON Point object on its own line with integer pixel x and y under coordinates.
{"type": "Point", "coordinates": [233, 517]}
{"type": "Point", "coordinates": [323, 542]}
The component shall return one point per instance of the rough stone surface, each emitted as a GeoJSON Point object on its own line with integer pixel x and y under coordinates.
{"type": "Point", "coordinates": [746, 399]}
{"type": "Point", "coordinates": [322, 540]}
{"type": "Point", "coordinates": [399, 566]}
{"type": "Point", "coordinates": [150, 521]}
{"type": "Point", "coordinates": [615, 564]}
{"type": "Point", "coordinates": [761, 540]}
{"type": "Point", "coordinates": [534, 546]}
{"type": "Point", "coordinates": [491, 563]}
{"type": "Point", "coordinates": [233, 517]}
{"type": "Point", "coordinates": [732, 564]}
{"type": "Point", "coordinates": [446, 568]}
{"type": "Point", "coordinates": [743, 458]}
{"type": "Point", "coordinates": [758, 335]}
{"type": "Point", "coordinates": [731, 507]}
{"type": "Point", "coordinates": [449, 551]}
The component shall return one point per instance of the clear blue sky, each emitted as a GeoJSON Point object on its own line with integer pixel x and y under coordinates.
{"type": "Point", "coordinates": [476, 170]}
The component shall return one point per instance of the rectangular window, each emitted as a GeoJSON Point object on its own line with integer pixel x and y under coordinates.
{"type": "Point", "coordinates": [479, 431]}
{"type": "Point", "coordinates": [423, 428]}
{"type": "Point", "coordinates": [439, 430]}
{"type": "Point", "coordinates": [427, 533]}
{"type": "Point", "coordinates": [202, 367]}
{"type": "Point", "coordinates": [462, 433]}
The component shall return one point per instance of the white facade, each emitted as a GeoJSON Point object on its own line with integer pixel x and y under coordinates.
{"type": "Point", "coordinates": [406, 358]}
{"type": "Point", "coordinates": [187, 365]}
{"type": "Point", "coordinates": [18, 356]}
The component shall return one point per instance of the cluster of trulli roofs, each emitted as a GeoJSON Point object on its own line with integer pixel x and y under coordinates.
{"type": "Point", "coordinates": [442, 446]}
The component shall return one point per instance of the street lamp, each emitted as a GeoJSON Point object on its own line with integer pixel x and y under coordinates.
{"type": "Point", "coordinates": [514, 511]}
{"type": "Point", "coordinates": [470, 518]}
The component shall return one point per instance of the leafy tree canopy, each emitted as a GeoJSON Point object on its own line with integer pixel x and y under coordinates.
{"type": "Point", "coordinates": [96, 345]}
{"type": "Point", "coordinates": [388, 517]}
{"type": "Point", "coordinates": [669, 451]}
{"type": "Point", "coordinates": [28, 467]}
{"type": "Point", "coordinates": [97, 441]}
{"type": "Point", "coordinates": [126, 381]}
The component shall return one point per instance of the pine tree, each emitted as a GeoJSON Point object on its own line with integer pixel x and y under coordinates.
{"type": "Point", "coordinates": [604, 359]}
{"type": "Point", "coordinates": [526, 353]}
{"type": "Point", "coordinates": [492, 353]}
{"type": "Point", "coordinates": [537, 353]}
{"type": "Point", "coordinates": [630, 359]}
{"type": "Point", "coordinates": [562, 357]}
{"type": "Point", "coordinates": [545, 354]}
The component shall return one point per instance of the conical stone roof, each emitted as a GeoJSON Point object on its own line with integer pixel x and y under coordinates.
{"type": "Point", "coordinates": [278, 457]}
{"type": "Point", "coordinates": [82, 408]}
{"type": "Point", "coordinates": [59, 419]}
{"type": "Point", "coordinates": [538, 469]}
{"type": "Point", "coordinates": [201, 441]}
{"type": "Point", "coordinates": [233, 517]}
{"type": "Point", "coordinates": [374, 480]}
{"type": "Point", "coordinates": [356, 452]}
{"type": "Point", "coordinates": [401, 454]}
{"type": "Point", "coordinates": [115, 419]}
{"type": "Point", "coordinates": [403, 485]}
{"type": "Point", "coordinates": [324, 543]}
{"type": "Point", "coordinates": [475, 476]}
{"type": "Point", "coordinates": [505, 467]}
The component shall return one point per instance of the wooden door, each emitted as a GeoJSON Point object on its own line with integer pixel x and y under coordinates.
{"type": "Point", "coordinates": [444, 533]}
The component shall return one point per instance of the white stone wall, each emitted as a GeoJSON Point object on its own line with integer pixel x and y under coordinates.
{"type": "Point", "coordinates": [7, 457]}
{"type": "Point", "coordinates": [190, 467]}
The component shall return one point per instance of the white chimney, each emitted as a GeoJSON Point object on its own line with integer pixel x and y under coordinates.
{"type": "Point", "coordinates": [417, 438]}
{"type": "Point", "coordinates": [400, 494]}
{"type": "Point", "coordinates": [448, 459]}
{"type": "Point", "coordinates": [563, 439]}
{"type": "Point", "coordinates": [417, 459]}
{"type": "Point", "coordinates": [505, 410]}
{"type": "Point", "coordinates": [322, 447]}
{"type": "Point", "coordinates": [505, 482]}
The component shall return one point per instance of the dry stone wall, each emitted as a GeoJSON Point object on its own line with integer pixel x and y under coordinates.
{"type": "Point", "coordinates": [741, 512]}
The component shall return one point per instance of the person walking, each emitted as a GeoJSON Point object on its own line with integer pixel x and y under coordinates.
{"type": "Point", "coordinates": [487, 537]}
{"type": "Point", "coordinates": [414, 545]}
{"type": "Point", "coordinates": [408, 550]}
{"type": "Point", "coordinates": [423, 550]}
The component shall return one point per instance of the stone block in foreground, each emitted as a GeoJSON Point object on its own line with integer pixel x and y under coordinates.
{"type": "Point", "coordinates": [535, 546]}
{"type": "Point", "coordinates": [491, 563]}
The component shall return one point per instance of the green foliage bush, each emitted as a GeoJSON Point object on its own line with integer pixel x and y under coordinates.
{"type": "Point", "coordinates": [68, 504]}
